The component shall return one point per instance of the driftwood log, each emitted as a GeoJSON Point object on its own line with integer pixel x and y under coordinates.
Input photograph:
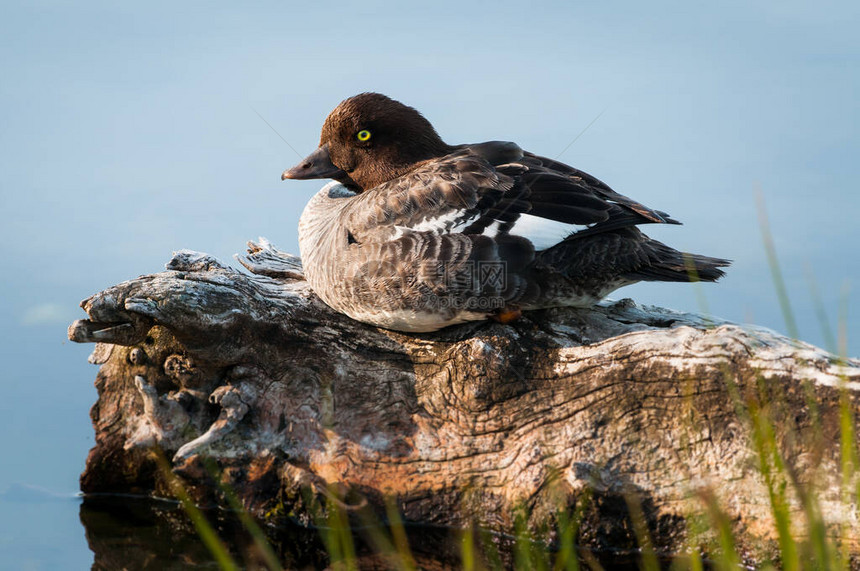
{"type": "Point", "coordinates": [462, 426]}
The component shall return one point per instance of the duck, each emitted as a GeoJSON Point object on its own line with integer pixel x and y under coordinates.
{"type": "Point", "coordinates": [414, 235]}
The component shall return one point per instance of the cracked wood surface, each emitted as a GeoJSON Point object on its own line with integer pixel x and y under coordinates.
{"type": "Point", "coordinates": [461, 425]}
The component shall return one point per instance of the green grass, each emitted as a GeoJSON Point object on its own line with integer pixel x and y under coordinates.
{"type": "Point", "coordinates": [207, 533]}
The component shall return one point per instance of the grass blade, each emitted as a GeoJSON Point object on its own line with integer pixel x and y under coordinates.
{"type": "Point", "coordinates": [773, 262]}
{"type": "Point", "coordinates": [204, 528]}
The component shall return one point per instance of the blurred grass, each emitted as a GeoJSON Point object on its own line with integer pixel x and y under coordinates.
{"type": "Point", "coordinates": [775, 271]}
{"type": "Point", "coordinates": [204, 529]}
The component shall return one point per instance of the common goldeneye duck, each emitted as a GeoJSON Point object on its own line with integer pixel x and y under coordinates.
{"type": "Point", "coordinates": [415, 235]}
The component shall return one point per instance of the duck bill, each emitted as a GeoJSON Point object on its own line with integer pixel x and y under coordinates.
{"type": "Point", "coordinates": [316, 165]}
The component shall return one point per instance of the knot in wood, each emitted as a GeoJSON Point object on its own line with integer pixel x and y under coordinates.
{"type": "Point", "coordinates": [181, 369]}
{"type": "Point", "coordinates": [137, 356]}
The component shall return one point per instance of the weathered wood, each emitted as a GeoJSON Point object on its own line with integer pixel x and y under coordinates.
{"type": "Point", "coordinates": [462, 425]}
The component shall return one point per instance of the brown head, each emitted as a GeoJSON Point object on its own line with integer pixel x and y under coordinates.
{"type": "Point", "coordinates": [370, 139]}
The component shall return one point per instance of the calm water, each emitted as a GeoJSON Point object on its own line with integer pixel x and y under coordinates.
{"type": "Point", "coordinates": [39, 530]}
{"type": "Point", "coordinates": [47, 434]}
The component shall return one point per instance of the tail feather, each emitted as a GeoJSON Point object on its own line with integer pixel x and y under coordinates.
{"type": "Point", "coordinates": [669, 265]}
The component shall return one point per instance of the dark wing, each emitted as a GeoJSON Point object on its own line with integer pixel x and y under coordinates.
{"type": "Point", "coordinates": [495, 189]}
{"type": "Point", "coordinates": [598, 187]}
{"type": "Point", "coordinates": [551, 202]}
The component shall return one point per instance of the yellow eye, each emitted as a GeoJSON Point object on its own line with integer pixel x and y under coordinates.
{"type": "Point", "coordinates": [363, 135]}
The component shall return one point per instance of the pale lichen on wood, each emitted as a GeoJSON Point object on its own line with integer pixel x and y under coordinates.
{"type": "Point", "coordinates": [463, 425]}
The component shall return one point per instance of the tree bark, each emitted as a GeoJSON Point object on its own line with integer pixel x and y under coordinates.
{"type": "Point", "coordinates": [625, 405]}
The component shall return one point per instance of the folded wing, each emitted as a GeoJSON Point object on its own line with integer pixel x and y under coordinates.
{"type": "Point", "coordinates": [495, 189]}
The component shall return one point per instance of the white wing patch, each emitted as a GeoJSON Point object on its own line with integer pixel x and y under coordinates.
{"type": "Point", "coordinates": [541, 232]}
{"type": "Point", "coordinates": [451, 222]}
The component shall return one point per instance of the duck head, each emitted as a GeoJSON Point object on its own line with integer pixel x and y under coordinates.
{"type": "Point", "coordinates": [370, 139]}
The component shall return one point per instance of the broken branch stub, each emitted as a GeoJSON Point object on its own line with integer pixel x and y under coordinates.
{"type": "Point", "coordinates": [461, 426]}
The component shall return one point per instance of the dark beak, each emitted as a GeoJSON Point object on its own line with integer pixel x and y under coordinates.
{"type": "Point", "coordinates": [316, 165]}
